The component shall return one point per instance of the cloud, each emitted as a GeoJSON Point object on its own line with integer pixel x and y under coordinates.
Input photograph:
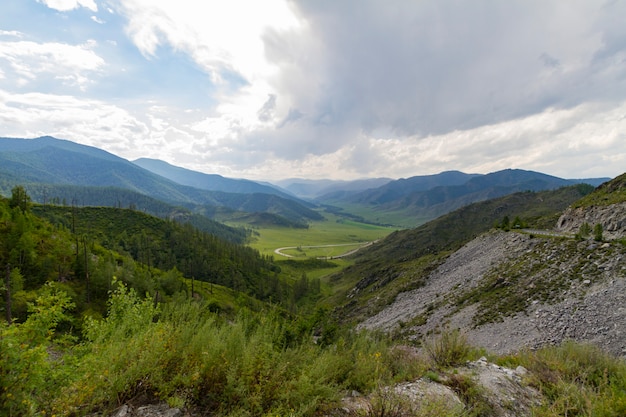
{"type": "Point", "coordinates": [324, 88]}
{"type": "Point", "coordinates": [67, 5]}
{"type": "Point", "coordinates": [70, 64]}
{"type": "Point", "coordinates": [421, 68]}
{"type": "Point", "coordinates": [86, 121]}
{"type": "Point", "coordinates": [224, 38]}
{"type": "Point", "coordinates": [11, 33]}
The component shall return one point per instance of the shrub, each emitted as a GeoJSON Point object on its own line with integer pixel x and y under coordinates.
{"type": "Point", "coordinates": [448, 349]}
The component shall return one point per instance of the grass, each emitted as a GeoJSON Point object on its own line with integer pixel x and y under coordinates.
{"type": "Point", "coordinates": [396, 218]}
{"type": "Point", "coordinates": [576, 379]}
{"type": "Point", "coordinates": [255, 365]}
{"type": "Point", "coordinates": [333, 230]}
{"type": "Point", "coordinates": [611, 192]}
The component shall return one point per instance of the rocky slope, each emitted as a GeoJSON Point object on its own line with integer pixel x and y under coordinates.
{"type": "Point", "coordinates": [611, 217]}
{"type": "Point", "coordinates": [510, 290]}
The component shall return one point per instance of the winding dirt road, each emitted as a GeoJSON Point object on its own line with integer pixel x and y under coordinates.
{"type": "Point", "coordinates": [362, 245]}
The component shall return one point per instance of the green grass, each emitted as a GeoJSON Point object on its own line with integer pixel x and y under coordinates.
{"type": "Point", "coordinates": [611, 192]}
{"type": "Point", "coordinates": [397, 218]}
{"type": "Point", "coordinates": [333, 230]}
{"type": "Point", "coordinates": [263, 365]}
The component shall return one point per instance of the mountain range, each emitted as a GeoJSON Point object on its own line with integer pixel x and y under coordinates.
{"type": "Point", "coordinates": [58, 169]}
{"type": "Point", "coordinates": [51, 168]}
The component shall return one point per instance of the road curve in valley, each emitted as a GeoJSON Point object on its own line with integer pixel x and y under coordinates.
{"type": "Point", "coordinates": [279, 251]}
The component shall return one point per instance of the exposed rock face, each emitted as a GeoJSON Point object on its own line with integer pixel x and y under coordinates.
{"type": "Point", "coordinates": [503, 391]}
{"type": "Point", "coordinates": [559, 288]}
{"type": "Point", "coordinates": [612, 218]}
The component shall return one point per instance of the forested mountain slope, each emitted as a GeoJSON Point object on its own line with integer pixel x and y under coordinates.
{"type": "Point", "coordinates": [506, 289]}
{"type": "Point", "coordinates": [50, 168]}
{"type": "Point", "coordinates": [424, 198]}
{"type": "Point", "coordinates": [210, 182]}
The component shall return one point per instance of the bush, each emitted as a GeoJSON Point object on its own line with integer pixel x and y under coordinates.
{"type": "Point", "coordinates": [578, 380]}
{"type": "Point", "coordinates": [29, 379]}
{"type": "Point", "coordinates": [448, 349]}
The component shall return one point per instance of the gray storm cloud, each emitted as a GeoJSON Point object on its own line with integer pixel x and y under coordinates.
{"type": "Point", "coordinates": [432, 67]}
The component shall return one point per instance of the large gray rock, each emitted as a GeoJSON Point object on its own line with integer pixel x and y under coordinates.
{"type": "Point", "coordinates": [612, 218]}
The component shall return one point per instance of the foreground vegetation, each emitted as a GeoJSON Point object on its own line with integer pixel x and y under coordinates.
{"type": "Point", "coordinates": [262, 365]}
{"type": "Point", "coordinates": [79, 292]}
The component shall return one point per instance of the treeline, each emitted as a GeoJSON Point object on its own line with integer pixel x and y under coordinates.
{"type": "Point", "coordinates": [166, 244]}
{"type": "Point", "coordinates": [84, 248]}
{"type": "Point", "coordinates": [34, 252]}
{"type": "Point", "coordinates": [115, 197]}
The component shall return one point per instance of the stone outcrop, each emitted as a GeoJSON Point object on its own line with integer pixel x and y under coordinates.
{"type": "Point", "coordinates": [611, 217]}
{"type": "Point", "coordinates": [502, 390]}
{"type": "Point", "coordinates": [568, 289]}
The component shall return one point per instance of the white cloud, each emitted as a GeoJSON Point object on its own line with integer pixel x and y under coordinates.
{"type": "Point", "coordinates": [68, 63]}
{"type": "Point", "coordinates": [332, 89]}
{"type": "Point", "coordinates": [67, 5]}
{"type": "Point", "coordinates": [85, 121]}
{"type": "Point", "coordinates": [11, 33]}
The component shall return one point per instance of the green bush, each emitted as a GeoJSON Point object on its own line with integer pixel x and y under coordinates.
{"type": "Point", "coordinates": [448, 349]}
{"type": "Point", "coordinates": [29, 378]}
{"type": "Point", "coordinates": [578, 380]}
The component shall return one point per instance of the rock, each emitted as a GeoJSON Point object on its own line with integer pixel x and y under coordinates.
{"type": "Point", "coordinates": [123, 411]}
{"type": "Point", "coordinates": [521, 371]}
{"type": "Point", "coordinates": [611, 217]}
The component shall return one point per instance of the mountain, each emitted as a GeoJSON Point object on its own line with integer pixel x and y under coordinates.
{"type": "Point", "coordinates": [394, 190]}
{"type": "Point", "coordinates": [316, 189]}
{"type": "Point", "coordinates": [210, 182]}
{"type": "Point", "coordinates": [424, 198]}
{"type": "Point", "coordinates": [58, 164]}
{"type": "Point", "coordinates": [506, 290]}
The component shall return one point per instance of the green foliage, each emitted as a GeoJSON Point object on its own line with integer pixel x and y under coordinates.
{"type": "Point", "coordinates": [584, 230]}
{"type": "Point", "coordinates": [577, 379]}
{"type": "Point", "coordinates": [165, 245]}
{"type": "Point", "coordinates": [597, 232]}
{"type": "Point", "coordinates": [19, 199]}
{"type": "Point", "coordinates": [29, 378]}
{"type": "Point", "coordinates": [611, 192]}
{"type": "Point", "coordinates": [191, 357]}
{"type": "Point", "coordinates": [450, 348]}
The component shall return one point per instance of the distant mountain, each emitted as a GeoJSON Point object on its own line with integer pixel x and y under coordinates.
{"type": "Point", "coordinates": [55, 163]}
{"type": "Point", "coordinates": [397, 189]}
{"type": "Point", "coordinates": [316, 189]}
{"type": "Point", "coordinates": [428, 197]}
{"type": "Point", "coordinates": [210, 182]}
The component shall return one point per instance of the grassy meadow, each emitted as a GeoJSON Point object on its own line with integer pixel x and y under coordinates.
{"type": "Point", "coordinates": [334, 230]}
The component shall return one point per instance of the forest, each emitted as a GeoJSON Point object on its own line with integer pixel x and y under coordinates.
{"type": "Point", "coordinates": [211, 327]}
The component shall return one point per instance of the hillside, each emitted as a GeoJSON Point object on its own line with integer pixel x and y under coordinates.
{"type": "Point", "coordinates": [209, 182]}
{"type": "Point", "coordinates": [50, 168]}
{"type": "Point", "coordinates": [506, 290]}
{"type": "Point", "coordinates": [424, 198]}
{"type": "Point", "coordinates": [187, 353]}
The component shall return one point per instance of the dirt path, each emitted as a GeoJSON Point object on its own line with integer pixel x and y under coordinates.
{"type": "Point", "coordinates": [279, 251]}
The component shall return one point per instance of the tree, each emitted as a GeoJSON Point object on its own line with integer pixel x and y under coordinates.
{"type": "Point", "coordinates": [597, 232]}
{"type": "Point", "coordinates": [584, 230]}
{"type": "Point", "coordinates": [20, 198]}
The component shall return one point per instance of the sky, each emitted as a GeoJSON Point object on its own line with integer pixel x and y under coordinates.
{"type": "Point", "coordinates": [337, 89]}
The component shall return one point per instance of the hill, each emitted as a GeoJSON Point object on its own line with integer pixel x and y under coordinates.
{"type": "Point", "coordinates": [505, 290]}
{"type": "Point", "coordinates": [424, 198]}
{"type": "Point", "coordinates": [210, 182]}
{"type": "Point", "coordinates": [184, 355]}
{"type": "Point", "coordinates": [47, 166]}
{"type": "Point", "coordinates": [397, 263]}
